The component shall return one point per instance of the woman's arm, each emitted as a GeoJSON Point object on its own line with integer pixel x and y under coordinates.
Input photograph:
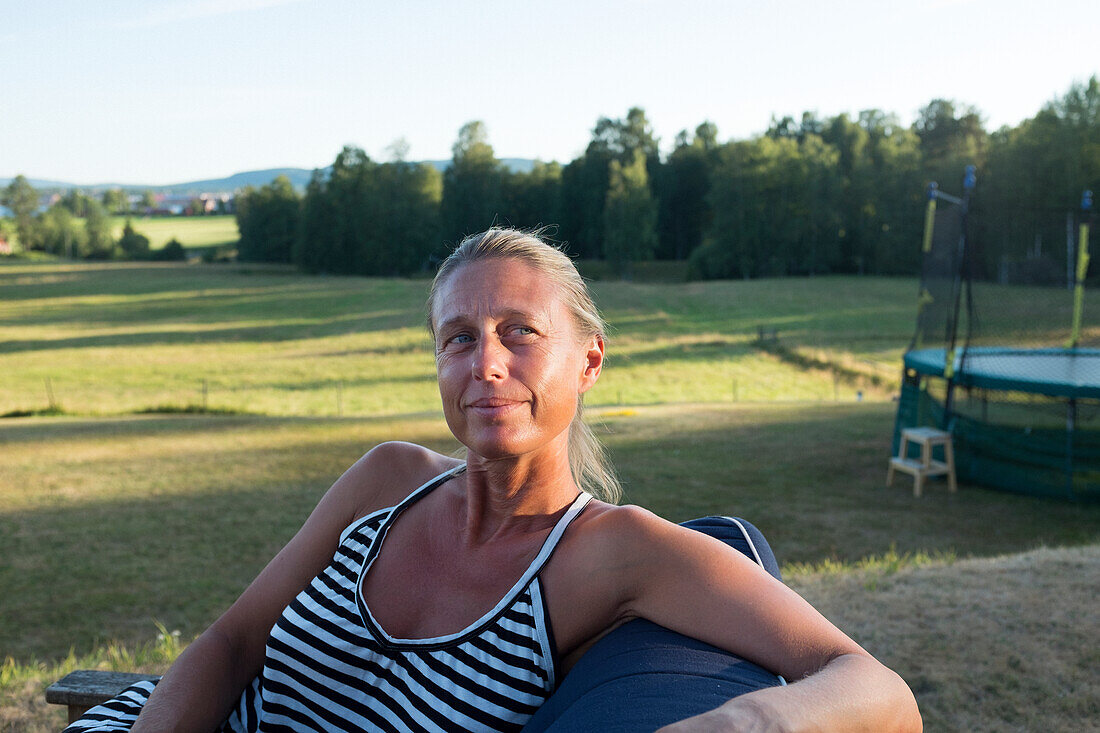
{"type": "Point", "coordinates": [852, 692]}
{"type": "Point", "coordinates": [700, 587]}
{"type": "Point", "coordinates": [206, 681]}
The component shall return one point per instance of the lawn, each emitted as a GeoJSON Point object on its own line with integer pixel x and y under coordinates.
{"type": "Point", "coordinates": [193, 232]}
{"type": "Point", "coordinates": [112, 521]}
{"type": "Point", "coordinates": [124, 337]}
{"type": "Point", "coordinates": [112, 524]}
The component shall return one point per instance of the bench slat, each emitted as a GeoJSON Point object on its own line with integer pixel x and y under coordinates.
{"type": "Point", "coordinates": [88, 687]}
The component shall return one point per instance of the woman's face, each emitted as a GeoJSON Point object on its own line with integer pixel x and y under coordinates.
{"type": "Point", "coordinates": [510, 363]}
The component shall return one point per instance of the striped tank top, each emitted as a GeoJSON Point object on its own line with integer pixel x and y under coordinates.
{"type": "Point", "coordinates": [331, 666]}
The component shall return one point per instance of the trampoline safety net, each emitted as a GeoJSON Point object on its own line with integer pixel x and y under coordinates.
{"type": "Point", "coordinates": [1006, 352]}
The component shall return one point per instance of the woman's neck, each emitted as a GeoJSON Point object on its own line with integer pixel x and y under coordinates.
{"type": "Point", "coordinates": [518, 493]}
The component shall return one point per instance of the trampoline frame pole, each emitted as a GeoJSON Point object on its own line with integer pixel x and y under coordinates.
{"type": "Point", "coordinates": [1082, 268]}
{"type": "Point", "coordinates": [923, 297]}
{"type": "Point", "coordinates": [949, 366]}
{"type": "Point", "coordinates": [929, 217]}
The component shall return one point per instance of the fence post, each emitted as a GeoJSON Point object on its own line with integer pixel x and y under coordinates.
{"type": "Point", "coordinates": [49, 394]}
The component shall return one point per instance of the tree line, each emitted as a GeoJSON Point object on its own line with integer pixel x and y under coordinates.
{"type": "Point", "coordinates": [811, 195]}
{"type": "Point", "coordinates": [78, 226]}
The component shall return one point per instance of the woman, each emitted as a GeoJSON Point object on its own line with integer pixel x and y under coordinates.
{"type": "Point", "coordinates": [457, 606]}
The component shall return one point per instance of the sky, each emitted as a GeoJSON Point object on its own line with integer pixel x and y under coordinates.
{"type": "Point", "coordinates": [144, 92]}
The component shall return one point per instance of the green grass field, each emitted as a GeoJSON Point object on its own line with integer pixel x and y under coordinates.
{"type": "Point", "coordinates": [193, 232]}
{"type": "Point", "coordinates": [111, 520]}
{"type": "Point", "coordinates": [121, 338]}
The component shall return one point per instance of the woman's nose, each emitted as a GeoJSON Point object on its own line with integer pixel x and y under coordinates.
{"type": "Point", "coordinates": [489, 360]}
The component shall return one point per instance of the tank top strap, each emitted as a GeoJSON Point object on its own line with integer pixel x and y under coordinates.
{"type": "Point", "coordinates": [551, 542]}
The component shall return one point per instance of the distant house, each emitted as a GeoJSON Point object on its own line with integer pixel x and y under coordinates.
{"type": "Point", "coordinates": [5, 245]}
{"type": "Point", "coordinates": [46, 200]}
{"type": "Point", "coordinates": [218, 203]}
{"type": "Point", "coordinates": [174, 205]}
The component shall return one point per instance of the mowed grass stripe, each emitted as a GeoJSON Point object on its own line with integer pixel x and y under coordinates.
{"type": "Point", "coordinates": [115, 339]}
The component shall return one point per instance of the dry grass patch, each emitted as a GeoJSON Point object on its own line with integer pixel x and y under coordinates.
{"type": "Point", "coordinates": [987, 644]}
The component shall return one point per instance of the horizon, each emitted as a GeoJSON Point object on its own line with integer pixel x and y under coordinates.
{"type": "Point", "coordinates": [247, 89]}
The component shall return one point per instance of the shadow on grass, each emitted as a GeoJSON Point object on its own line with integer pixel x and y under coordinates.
{"type": "Point", "coordinates": [172, 424]}
{"type": "Point", "coordinates": [77, 573]}
{"type": "Point", "coordinates": [811, 477]}
{"type": "Point", "coordinates": [274, 332]}
{"type": "Point", "coordinates": [814, 481]}
{"type": "Point", "coordinates": [72, 280]}
{"type": "Point", "coordinates": [804, 363]}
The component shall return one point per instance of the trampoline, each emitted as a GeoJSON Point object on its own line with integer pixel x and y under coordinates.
{"type": "Point", "coordinates": [1010, 367]}
{"type": "Point", "coordinates": [1066, 373]}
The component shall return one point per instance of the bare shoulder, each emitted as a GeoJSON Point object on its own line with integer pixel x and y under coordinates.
{"type": "Point", "coordinates": [388, 473]}
{"type": "Point", "coordinates": [625, 526]}
{"type": "Point", "coordinates": [608, 558]}
{"type": "Point", "coordinates": [610, 536]}
{"type": "Point", "coordinates": [633, 544]}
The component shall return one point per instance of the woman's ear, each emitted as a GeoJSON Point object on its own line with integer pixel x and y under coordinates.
{"type": "Point", "coordinates": [593, 363]}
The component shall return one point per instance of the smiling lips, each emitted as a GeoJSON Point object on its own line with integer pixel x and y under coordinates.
{"type": "Point", "coordinates": [493, 406]}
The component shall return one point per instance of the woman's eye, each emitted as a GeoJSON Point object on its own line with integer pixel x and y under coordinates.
{"type": "Point", "coordinates": [457, 339]}
{"type": "Point", "coordinates": [523, 330]}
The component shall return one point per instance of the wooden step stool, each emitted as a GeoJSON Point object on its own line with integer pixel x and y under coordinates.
{"type": "Point", "coordinates": [927, 439]}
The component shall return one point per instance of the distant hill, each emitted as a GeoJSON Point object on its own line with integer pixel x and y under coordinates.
{"type": "Point", "coordinates": [299, 177]}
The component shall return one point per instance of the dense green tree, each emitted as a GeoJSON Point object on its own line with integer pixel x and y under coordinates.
{"type": "Point", "coordinates": [370, 219]}
{"type": "Point", "coordinates": [585, 181]}
{"type": "Point", "coordinates": [134, 246]}
{"type": "Point", "coordinates": [58, 232]}
{"type": "Point", "coordinates": [1033, 181]}
{"type": "Point", "coordinates": [534, 198]}
{"type": "Point", "coordinates": [810, 195]}
{"type": "Point", "coordinates": [775, 209]}
{"type": "Point", "coordinates": [77, 202]}
{"type": "Point", "coordinates": [405, 231]}
{"type": "Point", "coordinates": [583, 195]}
{"type": "Point", "coordinates": [268, 219]}
{"type": "Point", "coordinates": [116, 201]}
{"type": "Point", "coordinates": [315, 247]}
{"type": "Point", "coordinates": [100, 245]}
{"type": "Point", "coordinates": [685, 211]}
{"type": "Point", "coordinates": [173, 251]}
{"type": "Point", "coordinates": [473, 185]}
{"type": "Point", "coordinates": [630, 215]}
{"type": "Point", "coordinates": [892, 190]}
{"type": "Point", "coordinates": [22, 199]}
{"type": "Point", "coordinates": [951, 138]}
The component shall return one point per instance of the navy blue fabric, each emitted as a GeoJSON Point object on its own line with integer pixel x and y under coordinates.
{"type": "Point", "coordinates": [642, 676]}
{"type": "Point", "coordinates": [739, 534]}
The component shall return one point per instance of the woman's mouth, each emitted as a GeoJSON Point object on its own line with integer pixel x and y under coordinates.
{"type": "Point", "coordinates": [493, 406]}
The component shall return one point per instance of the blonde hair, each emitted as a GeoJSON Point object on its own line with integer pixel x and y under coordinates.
{"type": "Point", "coordinates": [588, 461]}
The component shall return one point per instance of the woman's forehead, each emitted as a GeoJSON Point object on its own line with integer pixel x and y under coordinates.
{"type": "Point", "coordinates": [497, 287]}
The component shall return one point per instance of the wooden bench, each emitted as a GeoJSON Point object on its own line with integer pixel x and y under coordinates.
{"type": "Point", "coordinates": [86, 688]}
